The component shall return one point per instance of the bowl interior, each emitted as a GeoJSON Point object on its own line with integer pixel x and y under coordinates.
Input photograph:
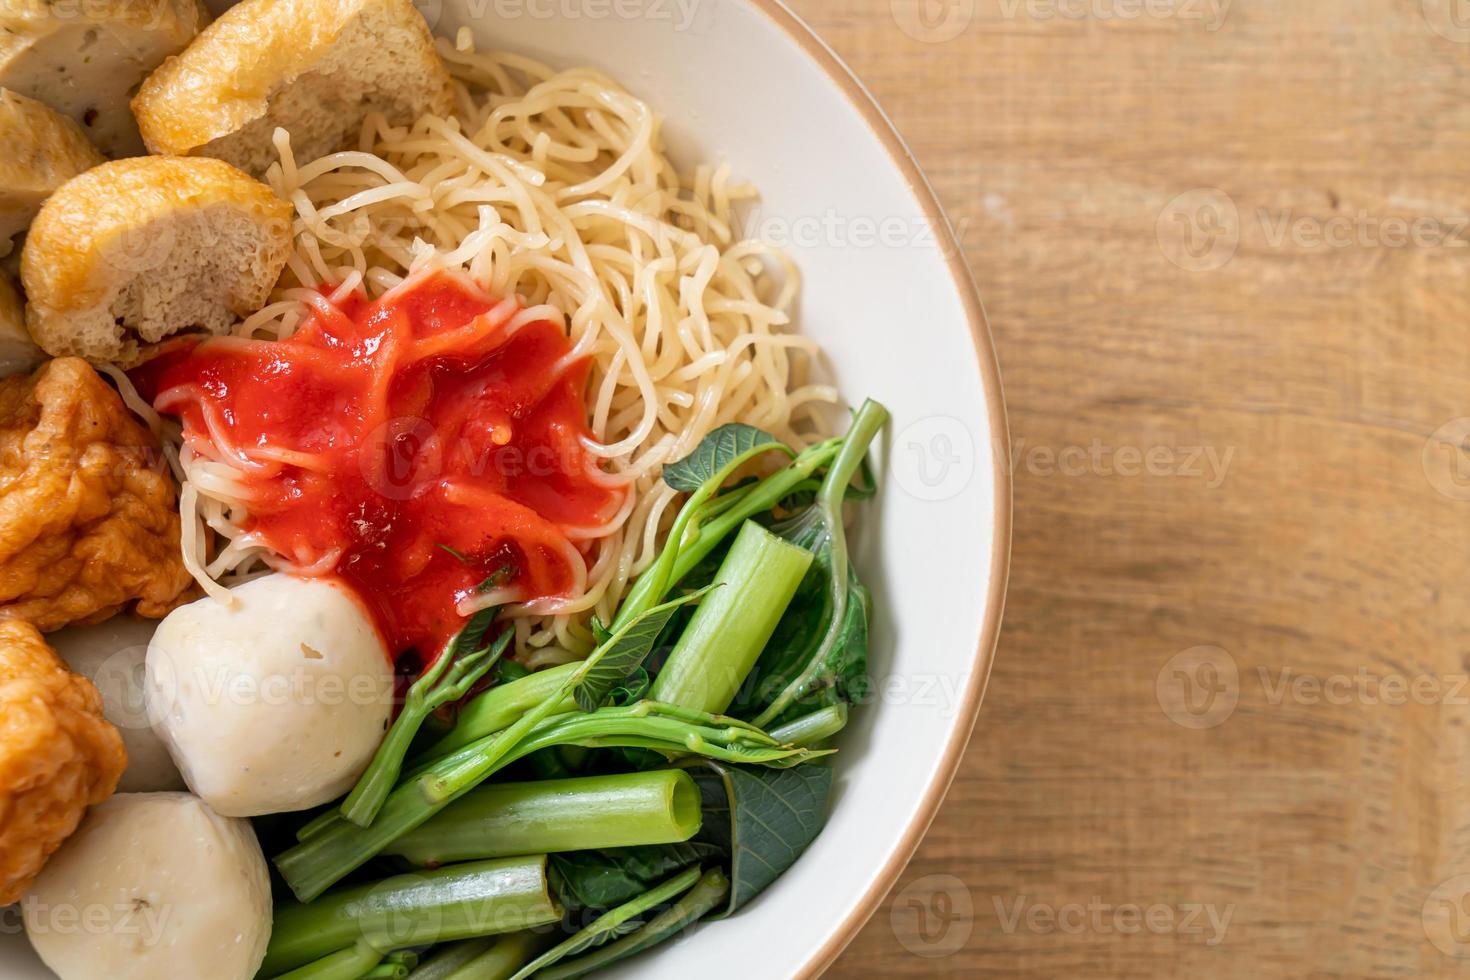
{"type": "Point", "coordinates": [735, 84]}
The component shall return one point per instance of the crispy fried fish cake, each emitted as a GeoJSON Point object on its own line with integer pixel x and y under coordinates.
{"type": "Point", "coordinates": [89, 520]}
{"type": "Point", "coordinates": [58, 755]}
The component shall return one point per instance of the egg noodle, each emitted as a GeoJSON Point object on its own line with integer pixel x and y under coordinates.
{"type": "Point", "coordinates": [550, 186]}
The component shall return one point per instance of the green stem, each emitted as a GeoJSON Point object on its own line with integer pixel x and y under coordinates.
{"type": "Point", "coordinates": [498, 959]}
{"type": "Point", "coordinates": [449, 679]}
{"type": "Point", "coordinates": [761, 498]}
{"type": "Point", "coordinates": [478, 899]}
{"type": "Point", "coordinates": [610, 925]}
{"type": "Point", "coordinates": [813, 729]}
{"type": "Point", "coordinates": [866, 425]}
{"type": "Point", "coordinates": [446, 961]}
{"type": "Point", "coordinates": [345, 964]}
{"type": "Point", "coordinates": [725, 637]}
{"type": "Point", "coordinates": [386, 971]}
{"type": "Point", "coordinates": [335, 851]}
{"type": "Point", "coordinates": [693, 535]}
{"type": "Point", "coordinates": [500, 706]}
{"type": "Point", "coordinates": [698, 902]}
{"type": "Point", "coordinates": [587, 813]}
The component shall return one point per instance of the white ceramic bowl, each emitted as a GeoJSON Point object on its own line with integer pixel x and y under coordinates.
{"type": "Point", "coordinates": [888, 295]}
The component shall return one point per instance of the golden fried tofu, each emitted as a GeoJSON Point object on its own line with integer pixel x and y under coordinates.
{"type": "Point", "coordinates": [58, 755]}
{"type": "Point", "coordinates": [89, 521]}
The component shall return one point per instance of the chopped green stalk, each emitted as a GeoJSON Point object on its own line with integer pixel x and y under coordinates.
{"type": "Point", "coordinates": [345, 964]}
{"type": "Point", "coordinates": [448, 680]}
{"type": "Point", "coordinates": [386, 971]}
{"type": "Point", "coordinates": [866, 424]}
{"type": "Point", "coordinates": [760, 499]}
{"type": "Point", "coordinates": [613, 924]}
{"type": "Point", "coordinates": [497, 959]}
{"type": "Point", "coordinates": [325, 858]}
{"type": "Point", "coordinates": [446, 961]}
{"type": "Point", "coordinates": [730, 628]}
{"type": "Point", "coordinates": [813, 729]}
{"type": "Point", "coordinates": [583, 814]}
{"type": "Point", "coordinates": [500, 706]}
{"type": "Point", "coordinates": [403, 957]}
{"type": "Point", "coordinates": [478, 899]}
{"type": "Point", "coordinates": [698, 902]}
{"type": "Point", "coordinates": [686, 535]}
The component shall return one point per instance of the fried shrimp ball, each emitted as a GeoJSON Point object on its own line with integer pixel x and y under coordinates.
{"type": "Point", "coordinates": [88, 515]}
{"type": "Point", "coordinates": [58, 755]}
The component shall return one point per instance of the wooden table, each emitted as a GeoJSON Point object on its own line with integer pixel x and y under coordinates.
{"type": "Point", "coordinates": [1226, 264]}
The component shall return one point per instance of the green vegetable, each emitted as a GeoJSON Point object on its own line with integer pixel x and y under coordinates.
{"type": "Point", "coordinates": [713, 461]}
{"type": "Point", "coordinates": [602, 879]}
{"type": "Point", "coordinates": [387, 971]}
{"type": "Point", "coordinates": [334, 851]}
{"type": "Point", "coordinates": [763, 818]}
{"type": "Point", "coordinates": [587, 813]}
{"type": "Point", "coordinates": [499, 707]}
{"type": "Point", "coordinates": [618, 922]}
{"type": "Point", "coordinates": [345, 964]}
{"type": "Point", "coordinates": [729, 630]}
{"type": "Point", "coordinates": [818, 654]}
{"type": "Point", "coordinates": [481, 959]}
{"type": "Point", "coordinates": [457, 670]}
{"type": "Point", "coordinates": [625, 650]}
{"type": "Point", "coordinates": [813, 729]}
{"type": "Point", "coordinates": [458, 902]}
{"type": "Point", "coordinates": [713, 888]}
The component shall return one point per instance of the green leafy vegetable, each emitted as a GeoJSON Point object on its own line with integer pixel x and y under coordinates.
{"type": "Point", "coordinates": [450, 679]}
{"type": "Point", "coordinates": [763, 818]}
{"type": "Point", "coordinates": [818, 653]}
{"type": "Point", "coordinates": [620, 921]}
{"type": "Point", "coordinates": [625, 650]}
{"type": "Point", "coordinates": [604, 878]}
{"type": "Point", "coordinates": [717, 453]}
{"type": "Point", "coordinates": [699, 901]}
{"type": "Point", "coordinates": [713, 461]}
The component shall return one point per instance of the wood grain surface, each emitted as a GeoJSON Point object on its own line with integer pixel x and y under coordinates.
{"type": "Point", "coordinates": [1225, 250]}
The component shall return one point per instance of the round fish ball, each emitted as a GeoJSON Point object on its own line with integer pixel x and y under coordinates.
{"type": "Point", "coordinates": [275, 702]}
{"type": "Point", "coordinates": [112, 656]}
{"type": "Point", "coordinates": [153, 885]}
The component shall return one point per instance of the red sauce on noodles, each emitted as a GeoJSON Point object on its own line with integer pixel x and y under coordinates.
{"type": "Point", "coordinates": [409, 446]}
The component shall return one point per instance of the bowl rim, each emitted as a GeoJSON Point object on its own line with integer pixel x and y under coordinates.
{"type": "Point", "coordinates": [884, 130]}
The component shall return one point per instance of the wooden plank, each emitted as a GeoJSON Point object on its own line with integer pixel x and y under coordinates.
{"type": "Point", "coordinates": [1314, 353]}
